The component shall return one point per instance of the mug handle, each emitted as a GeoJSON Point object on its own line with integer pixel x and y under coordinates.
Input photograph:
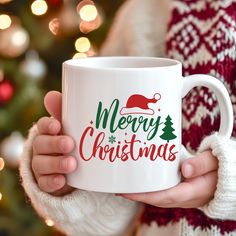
{"type": "Point", "coordinates": [226, 109]}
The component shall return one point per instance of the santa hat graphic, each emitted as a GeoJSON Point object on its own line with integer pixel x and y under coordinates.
{"type": "Point", "coordinates": [138, 104]}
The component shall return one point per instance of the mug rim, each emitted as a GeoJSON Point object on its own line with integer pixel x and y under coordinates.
{"type": "Point", "coordinates": [94, 63]}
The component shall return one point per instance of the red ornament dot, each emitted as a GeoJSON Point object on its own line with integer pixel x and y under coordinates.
{"type": "Point", "coordinates": [6, 91]}
{"type": "Point", "coordinates": [54, 3]}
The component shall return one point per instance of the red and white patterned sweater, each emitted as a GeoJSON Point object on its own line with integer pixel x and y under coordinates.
{"type": "Point", "coordinates": [201, 34]}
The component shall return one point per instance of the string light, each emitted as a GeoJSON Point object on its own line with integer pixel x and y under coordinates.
{"type": "Point", "coordinates": [79, 55]}
{"type": "Point", "coordinates": [19, 37]}
{"type": "Point", "coordinates": [2, 163]}
{"type": "Point", "coordinates": [5, 21]}
{"type": "Point", "coordinates": [82, 44]}
{"type": "Point", "coordinates": [39, 7]}
{"type": "Point", "coordinates": [14, 41]}
{"type": "Point", "coordinates": [86, 27]}
{"type": "Point", "coordinates": [88, 12]}
{"type": "Point", "coordinates": [49, 222]}
{"type": "Point", "coordinates": [54, 26]}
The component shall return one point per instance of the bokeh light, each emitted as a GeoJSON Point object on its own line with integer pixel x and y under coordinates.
{"type": "Point", "coordinates": [54, 26]}
{"type": "Point", "coordinates": [2, 163]}
{"type": "Point", "coordinates": [19, 37]}
{"type": "Point", "coordinates": [49, 222]}
{"type": "Point", "coordinates": [88, 12]}
{"type": "Point", "coordinates": [88, 26]}
{"type": "Point", "coordinates": [82, 44]}
{"type": "Point", "coordinates": [5, 21]}
{"type": "Point", "coordinates": [39, 7]}
{"type": "Point", "coordinates": [79, 55]}
{"type": "Point", "coordinates": [14, 41]}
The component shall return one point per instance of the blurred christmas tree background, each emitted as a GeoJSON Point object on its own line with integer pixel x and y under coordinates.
{"type": "Point", "coordinates": [35, 38]}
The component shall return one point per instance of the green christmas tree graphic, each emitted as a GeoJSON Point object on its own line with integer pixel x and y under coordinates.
{"type": "Point", "coordinates": [168, 130]}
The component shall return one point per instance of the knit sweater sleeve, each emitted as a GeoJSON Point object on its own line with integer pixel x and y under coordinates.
{"type": "Point", "coordinates": [81, 212]}
{"type": "Point", "coordinates": [223, 205]}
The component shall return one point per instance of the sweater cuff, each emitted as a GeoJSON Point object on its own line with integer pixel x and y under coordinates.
{"type": "Point", "coordinates": [223, 205]}
{"type": "Point", "coordinates": [80, 212]}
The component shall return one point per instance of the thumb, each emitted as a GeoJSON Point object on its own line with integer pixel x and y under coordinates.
{"type": "Point", "coordinates": [201, 164]}
{"type": "Point", "coordinates": [53, 103]}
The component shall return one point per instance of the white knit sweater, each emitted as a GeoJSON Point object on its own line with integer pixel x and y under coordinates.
{"type": "Point", "coordinates": [139, 29]}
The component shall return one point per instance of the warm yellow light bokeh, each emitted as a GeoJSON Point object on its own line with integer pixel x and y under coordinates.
{"type": "Point", "coordinates": [39, 7]}
{"type": "Point", "coordinates": [2, 163]}
{"type": "Point", "coordinates": [0, 196]}
{"type": "Point", "coordinates": [49, 222]}
{"type": "Point", "coordinates": [19, 38]}
{"type": "Point", "coordinates": [88, 13]}
{"type": "Point", "coordinates": [82, 44]}
{"type": "Point", "coordinates": [5, 21]}
{"type": "Point", "coordinates": [80, 55]}
{"type": "Point", "coordinates": [54, 26]}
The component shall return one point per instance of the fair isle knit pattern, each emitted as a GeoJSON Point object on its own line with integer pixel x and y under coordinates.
{"type": "Point", "coordinates": [202, 35]}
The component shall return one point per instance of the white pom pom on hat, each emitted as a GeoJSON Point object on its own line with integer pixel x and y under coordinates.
{"type": "Point", "coordinates": [157, 96]}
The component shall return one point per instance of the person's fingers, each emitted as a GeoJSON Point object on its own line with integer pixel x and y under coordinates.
{"type": "Point", "coordinates": [63, 191]}
{"type": "Point", "coordinates": [53, 104]}
{"type": "Point", "coordinates": [181, 192]}
{"type": "Point", "coordinates": [46, 144]}
{"type": "Point", "coordinates": [44, 165]}
{"type": "Point", "coordinates": [51, 183]}
{"type": "Point", "coordinates": [193, 193]}
{"type": "Point", "coordinates": [48, 125]}
{"type": "Point", "coordinates": [201, 164]}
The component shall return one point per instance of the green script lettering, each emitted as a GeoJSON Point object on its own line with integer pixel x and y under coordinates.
{"type": "Point", "coordinates": [149, 125]}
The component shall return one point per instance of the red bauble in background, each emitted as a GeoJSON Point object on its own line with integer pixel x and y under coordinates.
{"type": "Point", "coordinates": [54, 4]}
{"type": "Point", "coordinates": [6, 91]}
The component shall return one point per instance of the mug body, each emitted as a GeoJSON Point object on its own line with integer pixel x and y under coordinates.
{"type": "Point", "coordinates": [124, 114]}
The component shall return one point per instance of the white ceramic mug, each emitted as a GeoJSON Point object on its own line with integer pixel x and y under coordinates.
{"type": "Point", "coordinates": [124, 114]}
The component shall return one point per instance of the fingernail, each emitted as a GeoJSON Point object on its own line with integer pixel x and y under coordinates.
{"type": "Point", "coordinates": [188, 170]}
{"type": "Point", "coordinates": [52, 126]}
{"type": "Point", "coordinates": [64, 144]}
{"type": "Point", "coordinates": [65, 164]}
{"type": "Point", "coordinates": [57, 180]}
{"type": "Point", "coordinates": [68, 164]}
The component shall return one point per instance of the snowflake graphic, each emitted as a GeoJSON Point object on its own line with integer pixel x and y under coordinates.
{"type": "Point", "coordinates": [112, 139]}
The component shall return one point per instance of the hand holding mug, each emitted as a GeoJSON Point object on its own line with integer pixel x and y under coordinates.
{"type": "Point", "coordinates": [196, 190]}
{"type": "Point", "coordinates": [199, 176]}
{"type": "Point", "coordinates": [124, 114]}
{"type": "Point", "coordinates": [51, 160]}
